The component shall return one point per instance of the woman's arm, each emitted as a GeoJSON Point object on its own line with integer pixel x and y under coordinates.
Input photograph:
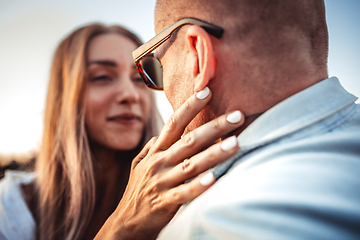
{"type": "Point", "coordinates": [161, 180]}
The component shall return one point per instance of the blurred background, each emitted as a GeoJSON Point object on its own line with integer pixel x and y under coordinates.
{"type": "Point", "coordinates": [30, 30]}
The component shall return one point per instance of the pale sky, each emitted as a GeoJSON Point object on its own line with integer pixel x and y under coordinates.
{"type": "Point", "coordinates": [31, 29]}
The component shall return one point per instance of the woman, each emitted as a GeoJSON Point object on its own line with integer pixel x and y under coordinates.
{"type": "Point", "coordinates": [98, 116]}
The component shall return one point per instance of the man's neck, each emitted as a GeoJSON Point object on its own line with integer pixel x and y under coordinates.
{"type": "Point", "coordinates": [248, 121]}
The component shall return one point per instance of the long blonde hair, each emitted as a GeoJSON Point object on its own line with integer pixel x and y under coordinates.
{"type": "Point", "coordinates": [65, 176]}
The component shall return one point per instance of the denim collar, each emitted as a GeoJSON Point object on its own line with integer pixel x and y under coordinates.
{"type": "Point", "coordinates": [290, 116]}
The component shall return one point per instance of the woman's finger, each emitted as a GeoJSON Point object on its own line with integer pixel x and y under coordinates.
{"type": "Point", "coordinates": [188, 191]}
{"type": "Point", "coordinates": [143, 153]}
{"type": "Point", "coordinates": [201, 162]}
{"type": "Point", "coordinates": [204, 136]}
{"type": "Point", "coordinates": [175, 126]}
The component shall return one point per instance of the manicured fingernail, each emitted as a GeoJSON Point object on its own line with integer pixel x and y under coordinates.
{"type": "Point", "coordinates": [234, 117]}
{"type": "Point", "coordinates": [203, 93]}
{"type": "Point", "coordinates": [207, 179]}
{"type": "Point", "coordinates": [229, 143]}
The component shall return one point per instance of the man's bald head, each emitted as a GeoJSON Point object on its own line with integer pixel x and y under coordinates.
{"type": "Point", "coordinates": [269, 27]}
{"type": "Point", "coordinates": [270, 50]}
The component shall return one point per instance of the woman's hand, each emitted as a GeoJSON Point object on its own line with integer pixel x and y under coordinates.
{"type": "Point", "coordinates": [165, 174]}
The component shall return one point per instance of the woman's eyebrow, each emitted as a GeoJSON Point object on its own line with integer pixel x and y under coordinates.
{"type": "Point", "coordinates": [103, 62]}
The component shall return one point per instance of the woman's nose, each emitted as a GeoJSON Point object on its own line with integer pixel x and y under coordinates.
{"type": "Point", "coordinates": [127, 91]}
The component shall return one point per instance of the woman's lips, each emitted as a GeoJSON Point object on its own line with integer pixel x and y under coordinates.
{"type": "Point", "coordinates": [126, 119]}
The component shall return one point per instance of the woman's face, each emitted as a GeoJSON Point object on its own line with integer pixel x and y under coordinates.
{"type": "Point", "coordinates": [116, 100]}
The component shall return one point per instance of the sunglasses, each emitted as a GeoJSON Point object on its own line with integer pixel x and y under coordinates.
{"type": "Point", "coordinates": [148, 66]}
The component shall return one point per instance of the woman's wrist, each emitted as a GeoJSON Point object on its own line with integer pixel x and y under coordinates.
{"type": "Point", "coordinates": [114, 229]}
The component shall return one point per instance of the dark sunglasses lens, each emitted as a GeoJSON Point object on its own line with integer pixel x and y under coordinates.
{"type": "Point", "coordinates": [153, 70]}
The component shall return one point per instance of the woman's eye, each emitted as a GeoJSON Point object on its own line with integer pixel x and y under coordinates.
{"type": "Point", "coordinates": [138, 79]}
{"type": "Point", "coordinates": [101, 78]}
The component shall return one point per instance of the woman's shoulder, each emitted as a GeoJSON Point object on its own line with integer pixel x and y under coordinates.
{"type": "Point", "coordinates": [16, 220]}
{"type": "Point", "coordinates": [12, 182]}
{"type": "Point", "coordinates": [17, 177]}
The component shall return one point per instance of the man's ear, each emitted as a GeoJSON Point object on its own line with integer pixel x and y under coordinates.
{"type": "Point", "coordinates": [202, 56]}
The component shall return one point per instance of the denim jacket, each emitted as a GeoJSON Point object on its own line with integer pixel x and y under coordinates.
{"type": "Point", "coordinates": [16, 220]}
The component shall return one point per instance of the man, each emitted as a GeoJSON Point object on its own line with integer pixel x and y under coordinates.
{"type": "Point", "coordinates": [296, 175]}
